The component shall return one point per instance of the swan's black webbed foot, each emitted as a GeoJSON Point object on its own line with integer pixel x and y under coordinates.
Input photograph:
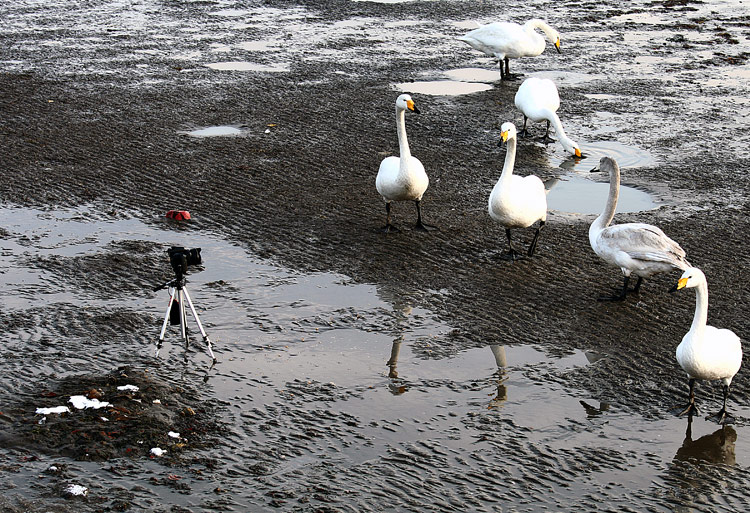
{"type": "Point", "coordinates": [512, 255]}
{"type": "Point", "coordinates": [623, 292]}
{"type": "Point", "coordinates": [721, 417]}
{"type": "Point", "coordinates": [546, 139]}
{"type": "Point", "coordinates": [423, 227]}
{"type": "Point", "coordinates": [389, 228]}
{"type": "Point", "coordinates": [689, 409]}
{"type": "Point", "coordinates": [523, 133]}
{"type": "Point", "coordinates": [619, 296]}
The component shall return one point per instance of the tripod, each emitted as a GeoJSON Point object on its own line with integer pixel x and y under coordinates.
{"type": "Point", "coordinates": [180, 295]}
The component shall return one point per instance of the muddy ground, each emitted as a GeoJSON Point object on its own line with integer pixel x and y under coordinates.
{"type": "Point", "coordinates": [92, 103]}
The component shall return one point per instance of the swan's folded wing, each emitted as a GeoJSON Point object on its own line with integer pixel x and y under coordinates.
{"type": "Point", "coordinates": [643, 242]}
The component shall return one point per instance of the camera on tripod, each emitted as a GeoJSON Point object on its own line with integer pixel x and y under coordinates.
{"type": "Point", "coordinates": [181, 257]}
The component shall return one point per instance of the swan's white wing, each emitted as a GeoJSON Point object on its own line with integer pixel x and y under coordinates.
{"type": "Point", "coordinates": [644, 242]}
{"type": "Point", "coordinates": [535, 95]}
{"type": "Point", "coordinates": [499, 39]}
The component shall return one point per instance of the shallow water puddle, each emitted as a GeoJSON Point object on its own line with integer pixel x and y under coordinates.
{"type": "Point", "coordinates": [442, 87]}
{"type": "Point", "coordinates": [473, 75]}
{"type": "Point", "coordinates": [573, 193]}
{"type": "Point", "coordinates": [462, 81]}
{"type": "Point", "coordinates": [315, 368]}
{"type": "Point", "coordinates": [626, 156]}
{"type": "Point", "coordinates": [246, 66]}
{"type": "Point", "coordinates": [214, 131]}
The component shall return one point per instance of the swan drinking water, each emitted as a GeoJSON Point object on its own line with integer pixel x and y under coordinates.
{"type": "Point", "coordinates": [517, 201]}
{"type": "Point", "coordinates": [402, 178]}
{"type": "Point", "coordinates": [538, 100]}
{"type": "Point", "coordinates": [706, 352]}
{"type": "Point", "coordinates": [505, 40]}
{"type": "Point", "coordinates": [637, 248]}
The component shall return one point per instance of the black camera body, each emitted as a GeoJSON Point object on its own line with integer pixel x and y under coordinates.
{"type": "Point", "coordinates": [181, 257]}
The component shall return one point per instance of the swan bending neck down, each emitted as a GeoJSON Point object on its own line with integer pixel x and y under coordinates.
{"type": "Point", "coordinates": [505, 40]}
{"type": "Point", "coordinates": [636, 248]}
{"type": "Point", "coordinates": [538, 100]}
{"type": "Point", "coordinates": [402, 178]}
{"type": "Point", "coordinates": [706, 352]}
{"type": "Point", "coordinates": [516, 201]}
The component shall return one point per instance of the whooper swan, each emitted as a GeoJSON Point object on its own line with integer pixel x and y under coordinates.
{"type": "Point", "coordinates": [505, 40]}
{"type": "Point", "coordinates": [402, 178]}
{"type": "Point", "coordinates": [538, 100]}
{"type": "Point", "coordinates": [638, 248]}
{"type": "Point", "coordinates": [516, 201]}
{"type": "Point", "coordinates": [706, 352]}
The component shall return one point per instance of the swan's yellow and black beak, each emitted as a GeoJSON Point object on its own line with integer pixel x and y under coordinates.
{"type": "Point", "coordinates": [410, 105]}
{"type": "Point", "coordinates": [503, 139]}
{"type": "Point", "coordinates": [557, 45]}
{"type": "Point", "coordinates": [578, 153]}
{"type": "Point", "coordinates": [680, 285]}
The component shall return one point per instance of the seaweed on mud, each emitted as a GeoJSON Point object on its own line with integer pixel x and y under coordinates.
{"type": "Point", "coordinates": [135, 422]}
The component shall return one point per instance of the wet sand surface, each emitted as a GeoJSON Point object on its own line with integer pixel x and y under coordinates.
{"type": "Point", "coordinates": [359, 371]}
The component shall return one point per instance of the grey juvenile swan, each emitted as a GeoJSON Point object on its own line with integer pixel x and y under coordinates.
{"type": "Point", "coordinates": [636, 248]}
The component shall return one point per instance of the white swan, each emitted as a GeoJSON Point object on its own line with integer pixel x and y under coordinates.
{"type": "Point", "coordinates": [505, 40]}
{"type": "Point", "coordinates": [516, 201]}
{"type": "Point", "coordinates": [402, 178]}
{"type": "Point", "coordinates": [638, 248]}
{"type": "Point", "coordinates": [706, 352]}
{"type": "Point", "coordinates": [538, 100]}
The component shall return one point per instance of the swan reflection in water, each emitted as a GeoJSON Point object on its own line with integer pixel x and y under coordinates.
{"type": "Point", "coordinates": [501, 360]}
{"type": "Point", "coordinates": [396, 386]}
{"type": "Point", "coordinates": [717, 447]}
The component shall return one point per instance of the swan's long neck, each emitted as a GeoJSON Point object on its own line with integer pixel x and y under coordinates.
{"type": "Point", "coordinates": [403, 143]}
{"type": "Point", "coordinates": [510, 161]}
{"type": "Point", "coordinates": [539, 24]}
{"type": "Point", "coordinates": [609, 209]}
{"type": "Point", "coordinates": [554, 119]}
{"type": "Point", "coordinates": [701, 311]}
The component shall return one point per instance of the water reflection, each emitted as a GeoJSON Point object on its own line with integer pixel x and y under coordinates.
{"type": "Point", "coordinates": [501, 360]}
{"type": "Point", "coordinates": [717, 447]}
{"type": "Point", "coordinates": [397, 386]}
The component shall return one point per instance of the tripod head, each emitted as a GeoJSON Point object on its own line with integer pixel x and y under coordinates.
{"type": "Point", "coordinates": [180, 258]}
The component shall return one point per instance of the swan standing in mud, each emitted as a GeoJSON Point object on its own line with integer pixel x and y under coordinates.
{"type": "Point", "coordinates": [637, 248]}
{"type": "Point", "coordinates": [402, 178]}
{"type": "Point", "coordinates": [517, 201]}
{"type": "Point", "coordinates": [505, 40]}
{"type": "Point", "coordinates": [538, 100]}
{"type": "Point", "coordinates": [706, 352]}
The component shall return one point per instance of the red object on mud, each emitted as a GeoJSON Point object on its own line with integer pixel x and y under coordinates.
{"type": "Point", "coordinates": [179, 215]}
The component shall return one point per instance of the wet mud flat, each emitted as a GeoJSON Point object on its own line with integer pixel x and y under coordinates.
{"type": "Point", "coordinates": [509, 387]}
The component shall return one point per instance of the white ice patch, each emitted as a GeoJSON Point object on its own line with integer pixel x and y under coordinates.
{"type": "Point", "coordinates": [81, 402]}
{"type": "Point", "coordinates": [75, 489]}
{"type": "Point", "coordinates": [56, 409]}
{"type": "Point", "coordinates": [128, 388]}
{"type": "Point", "coordinates": [158, 452]}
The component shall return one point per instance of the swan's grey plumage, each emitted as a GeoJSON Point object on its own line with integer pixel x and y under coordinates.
{"type": "Point", "coordinates": [636, 248]}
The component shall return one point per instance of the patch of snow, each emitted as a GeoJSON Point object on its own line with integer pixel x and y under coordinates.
{"type": "Point", "coordinates": [56, 409]}
{"type": "Point", "coordinates": [158, 452]}
{"type": "Point", "coordinates": [75, 489]}
{"type": "Point", "coordinates": [128, 388]}
{"type": "Point", "coordinates": [81, 402]}
{"type": "Point", "coordinates": [173, 434]}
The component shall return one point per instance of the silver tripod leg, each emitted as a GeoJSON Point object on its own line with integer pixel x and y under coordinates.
{"type": "Point", "coordinates": [172, 298]}
{"type": "Point", "coordinates": [200, 326]}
